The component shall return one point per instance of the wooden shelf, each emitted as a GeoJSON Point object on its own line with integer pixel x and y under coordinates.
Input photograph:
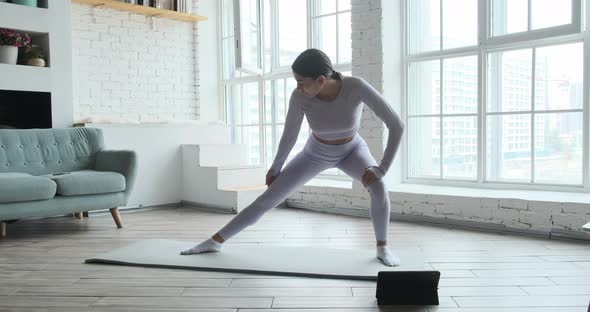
{"type": "Point", "coordinates": [140, 9]}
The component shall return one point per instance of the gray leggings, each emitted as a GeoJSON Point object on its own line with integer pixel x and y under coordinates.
{"type": "Point", "coordinates": [352, 158]}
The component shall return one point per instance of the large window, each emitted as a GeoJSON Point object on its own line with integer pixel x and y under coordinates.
{"type": "Point", "coordinates": [331, 29]}
{"type": "Point", "coordinates": [494, 92]}
{"type": "Point", "coordinates": [256, 102]}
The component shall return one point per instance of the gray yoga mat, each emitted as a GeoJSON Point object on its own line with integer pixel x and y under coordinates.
{"type": "Point", "coordinates": [357, 263]}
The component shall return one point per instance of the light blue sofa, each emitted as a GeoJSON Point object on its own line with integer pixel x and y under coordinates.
{"type": "Point", "coordinates": [49, 172]}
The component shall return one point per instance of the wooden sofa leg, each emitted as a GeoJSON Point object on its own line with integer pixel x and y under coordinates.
{"type": "Point", "coordinates": [79, 215]}
{"type": "Point", "coordinates": [116, 217]}
{"type": "Point", "coordinates": [2, 229]}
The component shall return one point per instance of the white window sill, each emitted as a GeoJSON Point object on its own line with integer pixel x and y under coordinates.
{"type": "Point", "coordinates": [572, 197]}
{"type": "Point", "coordinates": [325, 182]}
{"type": "Point", "coordinates": [529, 195]}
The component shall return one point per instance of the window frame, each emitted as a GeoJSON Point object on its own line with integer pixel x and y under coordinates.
{"type": "Point", "coordinates": [269, 72]}
{"type": "Point", "coordinates": [530, 35]}
{"type": "Point", "coordinates": [239, 32]}
{"type": "Point", "coordinates": [533, 39]}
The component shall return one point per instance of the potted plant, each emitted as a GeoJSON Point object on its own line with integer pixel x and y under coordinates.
{"type": "Point", "coordinates": [34, 56]}
{"type": "Point", "coordinates": [10, 41]}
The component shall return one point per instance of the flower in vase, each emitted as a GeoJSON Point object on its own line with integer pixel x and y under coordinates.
{"type": "Point", "coordinates": [12, 38]}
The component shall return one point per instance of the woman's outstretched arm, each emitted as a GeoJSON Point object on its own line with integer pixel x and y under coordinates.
{"type": "Point", "coordinates": [392, 120]}
{"type": "Point", "coordinates": [290, 133]}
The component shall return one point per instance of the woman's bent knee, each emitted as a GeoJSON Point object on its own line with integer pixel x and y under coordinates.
{"type": "Point", "coordinates": [378, 185]}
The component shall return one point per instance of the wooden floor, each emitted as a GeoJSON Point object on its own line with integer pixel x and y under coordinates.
{"type": "Point", "coordinates": [42, 267]}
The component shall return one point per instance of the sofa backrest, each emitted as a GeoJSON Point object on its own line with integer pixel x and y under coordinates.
{"type": "Point", "coordinates": [44, 151]}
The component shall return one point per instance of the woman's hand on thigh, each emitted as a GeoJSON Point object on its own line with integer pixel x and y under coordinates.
{"type": "Point", "coordinates": [368, 178]}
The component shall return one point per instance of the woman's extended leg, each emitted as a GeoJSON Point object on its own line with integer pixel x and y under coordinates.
{"type": "Point", "coordinates": [355, 165]}
{"type": "Point", "coordinates": [300, 170]}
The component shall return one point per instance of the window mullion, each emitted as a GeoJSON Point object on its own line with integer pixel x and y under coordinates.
{"type": "Point", "coordinates": [337, 36]}
{"type": "Point", "coordinates": [273, 118]}
{"type": "Point", "coordinates": [241, 95]}
{"type": "Point", "coordinates": [441, 92]}
{"type": "Point", "coordinates": [441, 116]}
{"type": "Point", "coordinates": [481, 117]}
{"type": "Point", "coordinates": [404, 89]}
{"type": "Point", "coordinates": [274, 38]}
{"type": "Point", "coordinates": [440, 47]}
{"type": "Point", "coordinates": [545, 111]}
{"type": "Point", "coordinates": [445, 115]}
{"type": "Point", "coordinates": [529, 14]}
{"type": "Point", "coordinates": [533, 90]}
{"type": "Point", "coordinates": [577, 14]}
{"type": "Point", "coordinates": [261, 119]}
{"type": "Point", "coordinates": [586, 99]}
{"type": "Point", "coordinates": [482, 35]}
{"type": "Point", "coordinates": [311, 28]}
{"type": "Point", "coordinates": [537, 36]}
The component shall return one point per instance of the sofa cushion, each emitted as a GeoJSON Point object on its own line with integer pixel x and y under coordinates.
{"type": "Point", "coordinates": [19, 187]}
{"type": "Point", "coordinates": [45, 151]}
{"type": "Point", "coordinates": [86, 182]}
{"type": "Point", "coordinates": [13, 174]}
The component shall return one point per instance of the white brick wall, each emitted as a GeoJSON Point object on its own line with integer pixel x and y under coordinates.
{"type": "Point", "coordinates": [538, 217]}
{"type": "Point", "coordinates": [132, 68]}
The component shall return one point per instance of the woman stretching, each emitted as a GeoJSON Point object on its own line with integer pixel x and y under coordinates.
{"type": "Point", "coordinates": [332, 105]}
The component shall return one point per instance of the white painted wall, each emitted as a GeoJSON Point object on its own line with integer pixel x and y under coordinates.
{"type": "Point", "coordinates": [209, 62]}
{"type": "Point", "coordinates": [55, 20]}
{"type": "Point", "coordinates": [158, 149]}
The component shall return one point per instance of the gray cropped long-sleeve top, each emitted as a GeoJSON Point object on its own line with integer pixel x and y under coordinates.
{"type": "Point", "coordinates": [339, 119]}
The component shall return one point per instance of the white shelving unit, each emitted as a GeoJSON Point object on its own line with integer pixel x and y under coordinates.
{"type": "Point", "coordinates": [50, 28]}
{"type": "Point", "coordinates": [12, 16]}
{"type": "Point", "coordinates": [25, 78]}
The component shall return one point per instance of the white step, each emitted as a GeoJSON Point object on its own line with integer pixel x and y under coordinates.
{"type": "Point", "coordinates": [229, 188]}
{"type": "Point", "coordinates": [240, 176]}
{"type": "Point", "coordinates": [230, 200]}
{"type": "Point", "coordinates": [244, 196]}
{"type": "Point", "coordinates": [232, 177]}
{"type": "Point", "coordinates": [219, 154]}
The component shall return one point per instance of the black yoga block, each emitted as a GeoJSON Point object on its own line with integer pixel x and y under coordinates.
{"type": "Point", "coordinates": [407, 287]}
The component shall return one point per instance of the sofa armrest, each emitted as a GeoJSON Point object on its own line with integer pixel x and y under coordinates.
{"type": "Point", "coordinates": [121, 161]}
